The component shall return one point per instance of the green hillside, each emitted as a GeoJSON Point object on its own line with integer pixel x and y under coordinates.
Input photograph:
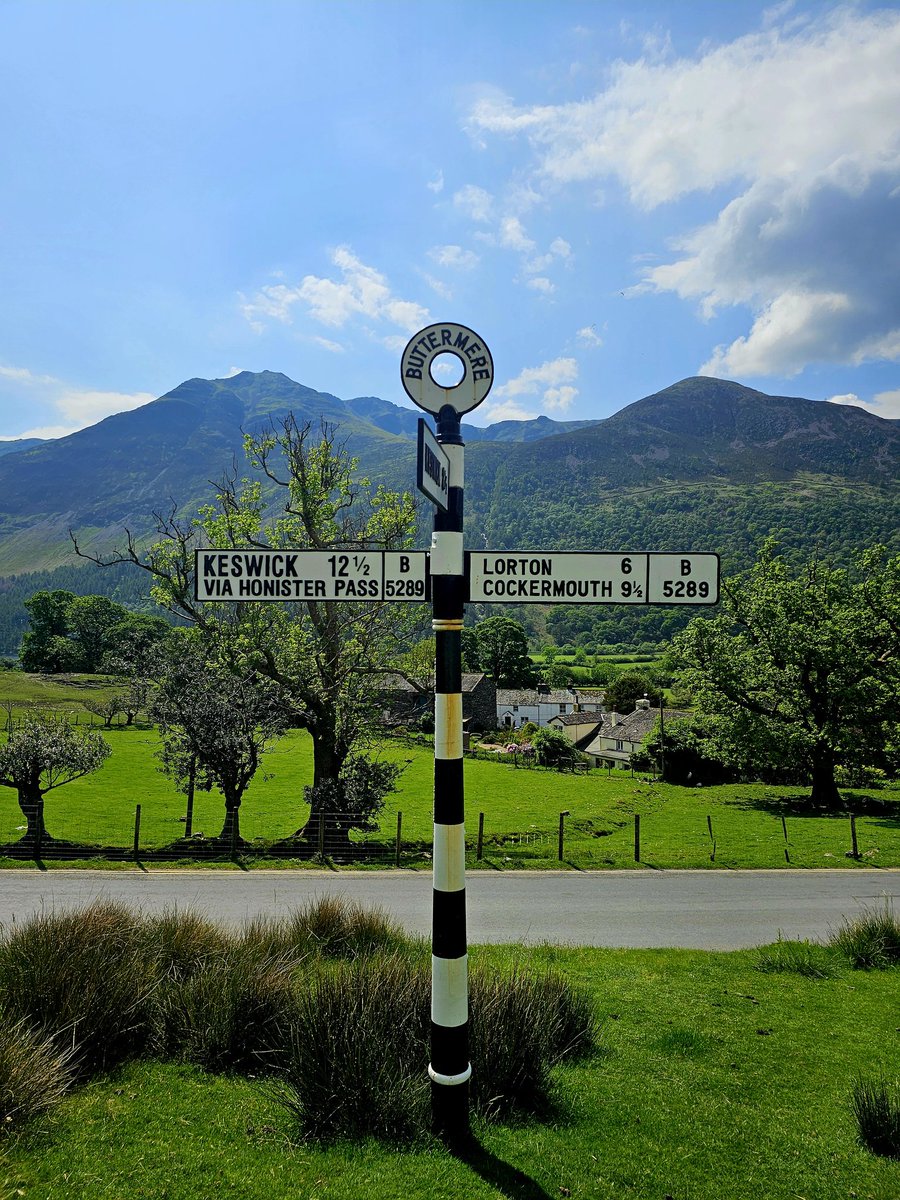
{"type": "Point", "coordinates": [704, 465]}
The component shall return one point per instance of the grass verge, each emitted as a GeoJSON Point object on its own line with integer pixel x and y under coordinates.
{"type": "Point", "coordinates": [713, 1081]}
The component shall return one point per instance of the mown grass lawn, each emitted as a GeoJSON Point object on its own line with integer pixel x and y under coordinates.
{"type": "Point", "coordinates": [521, 813]}
{"type": "Point", "coordinates": [713, 1081]}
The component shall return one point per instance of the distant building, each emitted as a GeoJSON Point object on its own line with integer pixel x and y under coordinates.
{"type": "Point", "coordinates": [403, 704]}
{"type": "Point", "coordinates": [539, 705]}
{"type": "Point", "coordinates": [579, 727]}
{"type": "Point", "coordinates": [620, 736]}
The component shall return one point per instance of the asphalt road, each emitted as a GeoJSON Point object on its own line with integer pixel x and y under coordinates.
{"type": "Point", "coordinates": [715, 910]}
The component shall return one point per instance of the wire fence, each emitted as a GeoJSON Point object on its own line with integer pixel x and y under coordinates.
{"type": "Point", "coordinates": [584, 842]}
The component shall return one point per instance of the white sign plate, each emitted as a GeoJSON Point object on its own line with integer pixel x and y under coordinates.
{"type": "Point", "coordinates": [683, 579]}
{"type": "Point", "coordinates": [432, 468]}
{"type": "Point", "coordinates": [438, 341]}
{"type": "Point", "coordinates": [535, 577]}
{"type": "Point", "coordinates": [361, 575]}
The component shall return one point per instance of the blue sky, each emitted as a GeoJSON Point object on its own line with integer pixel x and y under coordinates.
{"type": "Point", "coordinates": [614, 195]}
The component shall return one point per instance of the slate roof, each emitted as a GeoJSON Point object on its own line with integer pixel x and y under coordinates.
{"type": "Point", "coordinates": [396, 683]}
{"type": "Point", "coordinates": [578, 718]}
{"type": "Point", "coordinates": [532, 698]}
{"type": "Point", "coordinates": [635, 726]}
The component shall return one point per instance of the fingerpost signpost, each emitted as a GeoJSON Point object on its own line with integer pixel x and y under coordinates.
{"type": "Point", "coordinates": [449, 577]}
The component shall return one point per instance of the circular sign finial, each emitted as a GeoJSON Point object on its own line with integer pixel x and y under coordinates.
{"type": "Point", "coordinates": [431, 343]}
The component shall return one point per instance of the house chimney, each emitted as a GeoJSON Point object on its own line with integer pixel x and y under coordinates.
{"type": "Point", "coordinates": [645, 704]}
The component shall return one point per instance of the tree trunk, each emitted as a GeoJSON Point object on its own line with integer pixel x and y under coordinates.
{"type": "Point", "coordinates": [231, 830]}
{"type": "Point", "coordinates": [31, 802]}
{"type": "Point", "coordinates": [329, 754]}
{"type": "Point", "coordinates": [825, 792]}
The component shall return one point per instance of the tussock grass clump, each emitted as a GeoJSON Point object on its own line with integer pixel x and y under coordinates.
{"type": "Point", "coordinates": [521, 1026]}
{"type": "Point", "coordinates": [359, 1048]}
{"type": "Point", "coordinates": [796, 958]}
{"type": "Point", "coordinates": [180, 942]}
{"type": "Point", "coordinates": [871, 940]}
{"type": "Point", "coordinates": [34, 1073]}
{"type": "Point", "coordinates": [83, 977]}
{"type": "Point", "coordinates": [230, 1014]}
{"type": "Point", "coordinates": [876, 1106]}
{"type": "Point", "coordinates": [357, 1051]}
{"type": "Point", "coordinates": [328, 927]}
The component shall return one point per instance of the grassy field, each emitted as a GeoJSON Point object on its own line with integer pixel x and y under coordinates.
{"type": "Point", "coordinates": [521, 807]}
{"type": "Point", "coordinates": [521, 813]}
{"type": "Point", "coordinates": [713, 1081]}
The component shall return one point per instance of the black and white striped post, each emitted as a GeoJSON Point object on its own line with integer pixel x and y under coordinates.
{"type": "Point", "coordinates": [441, 477]}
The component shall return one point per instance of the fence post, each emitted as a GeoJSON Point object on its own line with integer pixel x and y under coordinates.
{"type": "Point", "coordinates": [562, 824]}
{"type": "Point", "coordinates": [397, 847]}
{"type": "Point", "coordinates": [189, 814]}
{"type": "Point", "coordinates": [854, 853]}
{"type": "Point", "coordinates": [637, 837]}
{"type": "Point", "coordinates": [787, 857]}
{"type": "Point", "coordinates": [137, 830]}
{"type": "Point", "coordinates": [479, 850]}
{"type": "Point", "coordinates": [321, 835]}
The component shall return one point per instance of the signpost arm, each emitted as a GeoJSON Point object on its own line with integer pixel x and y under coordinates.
{"type": "Point", "coordinates": [449, 1068]}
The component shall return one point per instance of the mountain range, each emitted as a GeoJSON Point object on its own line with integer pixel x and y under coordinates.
{"type": "Point", "coordinates": [705, 464]}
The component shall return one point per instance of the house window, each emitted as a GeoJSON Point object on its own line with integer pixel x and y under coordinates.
{"type": "Point", "coordinates": [562, 708]}
{"type": "Point", "coordinates": [618, 745]}
{"type": "Point", "coordinates": [515, 708]}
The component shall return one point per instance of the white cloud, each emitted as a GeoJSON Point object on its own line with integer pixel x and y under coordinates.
{"type": "Point", "coordinates": [532, 379]}
{"type": "Point", "coordinates": [361, 290]}
{"type": "Point", "coordinates": [475, 202]}
{"type": "Point", "coordinates": [513, 235]}
{"type": "Point", "coordinates": [884, 404]}
{"type": "Point", "coordinates": [45, 432]}
{"type": "Point", "coordinates": [551, 382]}
{"type": "Point", "coordinates": [78, 407]}
{"type": "Point", "coordinates": [560, 397]}
{"type": "Point", "coordinates": [588, 337]}
{"type": "Point", "coordinates": [436, 184]}
{"type": "Point", "coordinates": [541, 284]}
{"type": "Point", "coordinates": [454, 257]}
{"type": "Point", "coordinates": [330, 346]}
{"type": "Point", "coordinates": [84, 406]}
{"type": "Point", "coordinates": [509, 410]}
{"type": "Point", "coordinates": [798, 124]}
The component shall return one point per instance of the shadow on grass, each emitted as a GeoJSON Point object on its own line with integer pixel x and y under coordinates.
{"type": "Point", "coordinates": [507, 1179]}
{"type": "Point", "coordinates": [858, 803]}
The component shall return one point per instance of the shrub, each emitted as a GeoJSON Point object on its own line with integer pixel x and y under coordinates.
{"type": "Point", "coordinates": [179, 943]}
{"type": "Point", "coordinates": [334, 927]}
{"type": "Point", "coordinates": [871, 940]}
{"type": "Point", "coordinates": [357, 1051]}
{"type": "Point", "coordinates": [34, 1073]}
{"type": "Point", "coordinates": [797, 958]}
{"type": "Point", "coordinates": [231, 1014]}
{"type": "Point", "coordinates": [876, 1106]}
{"type": "Point", "coordinates": [522, 1024]}
{"type": "Point", "coordinates": [81, 976]}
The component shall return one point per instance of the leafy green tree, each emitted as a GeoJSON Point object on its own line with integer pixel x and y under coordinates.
{"type": "Point", "coordinates": [624, 691]}
{"type": "Point", "coordinates": [800, 671]}
{"type": "Point", "coordinates": [215, 723]}
{"type": "Point", "coordinates": [46, 645]}
{"type": "Point", "coordinates": [328, 658]}
{"type": "Point", "coordinates": [501, 647]}
{"type": "Point", "coordinates": [552, 748]}
{"type": "Point", "coordinates": [556, 676]}
{"type": "Point", "coordinates": [82, 633]}
{"type": "Point", "coordinates": [354, 799]}
{"type": "Point", "coordinates": [42, 754]}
